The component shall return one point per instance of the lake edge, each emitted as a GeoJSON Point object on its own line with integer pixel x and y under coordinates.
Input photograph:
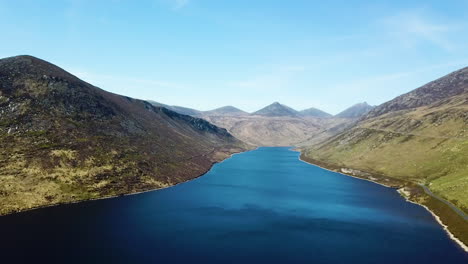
{"type": "Point", "coordinates": [437, 217]}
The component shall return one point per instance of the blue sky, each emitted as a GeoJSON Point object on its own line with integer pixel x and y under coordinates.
{"type": "Point", "coordinates": [247, 53]}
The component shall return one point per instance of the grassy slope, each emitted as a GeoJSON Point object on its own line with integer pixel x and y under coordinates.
{"type": "Point", "coordinates": [427, 145]}
{"type": "Point", "coordinates": [424, 145]}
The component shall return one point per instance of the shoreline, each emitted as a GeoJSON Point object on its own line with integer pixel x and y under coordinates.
{"type": "Point", "coordinates": [125, 194]}
{"type": "Point", "coordinates": [348, 175]}
{"type": "Point", "coordinates": [451, 236]}
{"type": "Point", "coordinates": [462, 245]}
{"type": "Point", "coordinates": [437, 218]}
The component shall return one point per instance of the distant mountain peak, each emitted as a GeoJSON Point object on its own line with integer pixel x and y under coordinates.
{"type": "Point", "coordinates": [276, 109]}
{"type": "Point", "coordinates": [227, 110]}
{"type": "Point", "coordinates": [355, 111]}
{"type": "Point", "coordinates": [314, 112]}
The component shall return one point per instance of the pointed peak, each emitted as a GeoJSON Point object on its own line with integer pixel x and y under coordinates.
{"type": "Point", "coordinates": [227, 110]}
{"type": "Point", "coordinates": [314, 112]}
{"type": "Point", "coordinates": [355, 111]}
{"type": "Point", "coordinates": [276, 109]}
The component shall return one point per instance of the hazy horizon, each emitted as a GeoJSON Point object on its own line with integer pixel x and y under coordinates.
{"type": "Point", "coordinates": [204, 54]}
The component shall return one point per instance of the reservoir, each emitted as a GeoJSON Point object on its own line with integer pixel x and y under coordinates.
{"type": "Point", "coordinates": [262, 206]}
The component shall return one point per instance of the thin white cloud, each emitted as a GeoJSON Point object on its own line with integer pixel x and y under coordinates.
{"type": "Point", "coordinates": [411, 28]}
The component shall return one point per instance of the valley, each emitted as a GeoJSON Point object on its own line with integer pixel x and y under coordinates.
{"type": "Point", "coordinates": [64, 140]}
{"type": "Point", "coordinates": [179, 131]}
{"type": "Point", "coordinates": [417, 142]}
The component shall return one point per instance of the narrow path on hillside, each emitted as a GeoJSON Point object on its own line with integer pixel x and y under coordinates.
{"type": "Point", "coordinates": [458, 211]}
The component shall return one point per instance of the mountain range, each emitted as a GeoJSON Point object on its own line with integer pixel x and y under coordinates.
{"type": "Point", "coordinates": [281, 125]}
{"type": "Point", "coordinates": [277, 124]}
{"type": "Point", "coordinates": [275, 109]}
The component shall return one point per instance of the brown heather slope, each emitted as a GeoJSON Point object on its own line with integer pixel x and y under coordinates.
{"type": "Point", "coordinates": [64, 140]}
{"type": "Point", "coordinates": [417, 138]}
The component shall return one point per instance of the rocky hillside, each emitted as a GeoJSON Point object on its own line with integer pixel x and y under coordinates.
{"type": "Point", "coordinates": [64, 140]}
{"type": "Point", "coordinates": [417, 138]}
{"type": "Point", "coordinates": [355, 111]}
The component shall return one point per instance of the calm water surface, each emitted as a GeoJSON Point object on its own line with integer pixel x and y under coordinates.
{"type": "Point", "coordinates": [263, 206]}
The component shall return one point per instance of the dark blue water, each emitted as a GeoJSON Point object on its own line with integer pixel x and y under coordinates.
{"type": "Point", "coordinates": [263, 206]}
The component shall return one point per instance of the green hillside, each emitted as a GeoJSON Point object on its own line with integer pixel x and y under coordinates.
{"type": "Point", "coordinates": [417, 138]}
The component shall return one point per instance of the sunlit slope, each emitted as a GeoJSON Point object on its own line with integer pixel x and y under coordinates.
{"type": "Point", "coordinates": [421, 137]}
{"type": "Point", "coordinates": [64, 140]}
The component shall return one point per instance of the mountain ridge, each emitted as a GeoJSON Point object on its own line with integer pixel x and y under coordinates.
{"type": "Point", "coordinates": [452, 84]}
{"type": "Point", "coordinates": [64, 140]}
